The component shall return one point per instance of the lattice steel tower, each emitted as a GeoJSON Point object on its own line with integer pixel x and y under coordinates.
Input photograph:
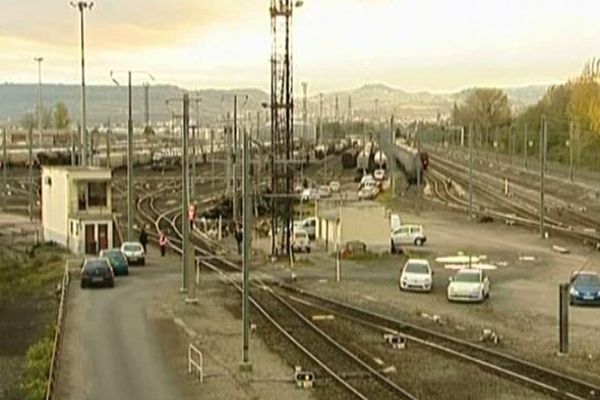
{"type": "Point", "coordinates": [282, 121]}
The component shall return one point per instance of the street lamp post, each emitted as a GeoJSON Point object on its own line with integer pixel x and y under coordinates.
{"type": "Point", "coordinates": [39, 60]}
{"type": "Point", "coordinates": [82, 6]}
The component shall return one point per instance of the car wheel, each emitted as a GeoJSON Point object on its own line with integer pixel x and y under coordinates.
{"type": "Point", "coordinates": [82, 285]}
{"type": "Point", "coordinates": [143, 261]}
{"type": "Point", "coordinates": [308, 249]}
{"type": "Point", "coordinates": [393, 248]}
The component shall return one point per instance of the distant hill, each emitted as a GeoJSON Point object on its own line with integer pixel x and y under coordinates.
{"type": "Point", "coordinates": [104, 102]}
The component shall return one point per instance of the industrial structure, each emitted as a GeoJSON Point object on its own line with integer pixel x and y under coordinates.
{"type": "Point", "coordinates": [77, 208]}
{"type": "Point", "coordinates": [282, 121]}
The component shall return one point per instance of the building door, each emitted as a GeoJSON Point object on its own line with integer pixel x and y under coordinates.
{"type": "Point", "coordinates": [90, 239]}
{"type": "Point", "coordinates": [102, 236]}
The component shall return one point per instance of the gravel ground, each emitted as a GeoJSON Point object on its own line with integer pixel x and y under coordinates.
{"type": "Point", "coordinates": [524, 295]}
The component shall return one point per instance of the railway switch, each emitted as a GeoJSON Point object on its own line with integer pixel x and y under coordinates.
{"type": "Point", "coordinates": [397, 341]}
{"type": "Point", "coordinates": [303, 379]}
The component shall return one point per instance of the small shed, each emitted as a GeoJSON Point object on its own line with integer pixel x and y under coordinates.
{"type": "Point", "coordinates": [364, 221]}
{"type": "Point", "coordinates": [77, 208]}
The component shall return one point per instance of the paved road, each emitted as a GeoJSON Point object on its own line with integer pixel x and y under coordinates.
{"type": "Point", "coordinates": [111, 349]}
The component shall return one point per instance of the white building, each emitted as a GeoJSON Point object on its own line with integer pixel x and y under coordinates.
{"type": "Point", "coordinates": [364, 221]}
{"type": "Point", "coordinates": [77, 208]}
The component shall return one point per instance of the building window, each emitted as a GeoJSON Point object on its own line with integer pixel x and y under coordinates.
{"type": "Point", "coordinates": [81, 197]}
{"type": "Point", "coordinates": [97, 194]}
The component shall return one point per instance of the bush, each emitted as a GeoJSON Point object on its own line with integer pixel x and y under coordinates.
{"type": "Point", "coordinates": [37, 368]}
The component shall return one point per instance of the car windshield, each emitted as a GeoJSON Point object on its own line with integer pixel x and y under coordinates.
{"type": "Point", "coordinates": [587, 280]}
{"type": "Point", "coordinates": [96, 265]}
{"type": "Point", "coordinates": [467, 277]}
{"type": "Point", "coordinates": [132, 247]}
{"type": "Point", "coordinates": [115, 255]}
{"type": "Point", "coordinates": [416, 268]}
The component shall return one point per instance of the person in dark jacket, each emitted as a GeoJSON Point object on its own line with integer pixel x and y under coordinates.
{"type": "Point", "coordinates": [144, 239]}
{"type": "Point", "coordinates": [239, 236]}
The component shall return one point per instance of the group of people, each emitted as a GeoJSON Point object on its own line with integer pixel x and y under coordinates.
{"type": "Point", "coordinates": [162, 242]}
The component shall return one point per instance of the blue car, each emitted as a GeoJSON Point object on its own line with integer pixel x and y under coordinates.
{"type": "Point", "coordinates": [585, 289]}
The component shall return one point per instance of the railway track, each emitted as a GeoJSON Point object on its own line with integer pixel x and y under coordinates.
{"type": "Point", "coordinates": [275, 303]}
{"type": "Point", "coordinates": [519, 211]}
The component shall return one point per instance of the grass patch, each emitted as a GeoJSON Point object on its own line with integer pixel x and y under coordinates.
{"type": "Point", "coordinates": [26, 274]}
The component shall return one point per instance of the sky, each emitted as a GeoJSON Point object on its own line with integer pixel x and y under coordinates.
{"type": "Point", "coordinates": [434, 45]}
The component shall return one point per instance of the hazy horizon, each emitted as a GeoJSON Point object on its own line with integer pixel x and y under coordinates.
{"type": "Point", "coordinates": [339, 45]}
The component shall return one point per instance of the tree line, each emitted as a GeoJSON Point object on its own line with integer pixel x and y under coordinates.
{"type": "Point", "coordinates": [571, 110]}
{"type": "Point", "coordinates": [57, 118]}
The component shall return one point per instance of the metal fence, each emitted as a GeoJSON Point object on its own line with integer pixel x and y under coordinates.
{"type": "Point", "coordinates": [195, 362]}
{"type": "Point", "coordinates": [62, 308]}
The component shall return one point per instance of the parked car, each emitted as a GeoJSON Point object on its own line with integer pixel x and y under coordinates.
{"type": "Point", "coordinates": [408, 235]}
{"type": "Point", "coordinates": [585, 288]}
{"type": "Point", "coordinates": [300, 241]}
{"type": "Point", "coordinates": [310, 195]}
{"type": "Point", "coordinates": [97, 272]}
{"type": "Point", "coordinates": [324, 191]}
{"type": "Point", "coordinates": [395, 222]}
{"type": "Point", "coordinates": [379, 174]}
{"type": "Point", "coordinates": [309, 225]}
{"type": "Point", "coordinates": [335, 186]}
{"type": "Point", "coordinates": [469, 285]}
{"type": "Point", "coordinates": [416, 275]}
{"type": "Point", "coordinates": [367, 180]}
{"type": "Point", "coordinates": [368, 193]}
{"type": "Point", "coordinates": [134, 253]}
{"type": "Point", "coordinates": [117, 261]}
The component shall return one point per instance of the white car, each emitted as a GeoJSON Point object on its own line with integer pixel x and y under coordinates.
{"type": "Point", "coordinates": [469, 285]}
{"type": "Point", "coordinates": [310, 195]}
{"type": "Point", "coordinates": [408, 235]}
{"type": "Point", "coordinates": [379, 174]}
{"type": "Point", "coordinates": [300, 241]}
{"type": "Point", "coordinates": [335, 186]}
{"type": "Point", "coordinates": [324, 191]}
{"type": "Point", "coordinates": [368, 193]}
{"type": "Point", "coordinates": [367, 180]}
{"type": "Point", "coordinates": [416, 275]}
{"type": "Point", "coordinates": [134, 253]}
{"type": "Point", "coordinates": [309, 225]}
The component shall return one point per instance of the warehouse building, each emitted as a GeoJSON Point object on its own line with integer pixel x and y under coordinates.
{"type": "Point", "coordinates": [77, 208]}
{"type": "Point", "coordinates": [366, 222]}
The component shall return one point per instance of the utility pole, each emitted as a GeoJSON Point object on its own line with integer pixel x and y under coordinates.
{"type": "Point", "coordinates": [337, 110]}
{"type": "Point", "coordinates": [129, 160]}
{"type": "Point", "coordinates": [82, 6]}
{"type": "Point", "coordinates": [39, 106]}
{"type": "Point", "coordinates": [212, 159]}
{"type": "Point", "coordinates": [320, 136]}
{"type": "Point", "coordinates": [30, 172]}
{"type": "Point", "coordinates": [234, 165]}
{"type": "Point", "coordinates": [246, 254]}
{"type": "Point", "coordinates": [108, 143]}
{"type": "Point", "coordinates": [193, 169]}
{"type": "Point", "coordinates": [525, 146]}
{"type": "Point", "coordinates": [571, 174]}
{"type": "Point", "coordinates": [349, 110]}
{"type": "Point", "coordinates": [228, 150]}
{"type": "Point", "coordinates": [146, 105]}
{"type": "Point", "coordinates": [543, 133]}
{"type": "Point", "coordinates": [185, 224]}
{"type": "Point", "coordinates": [510, 145]}
{"type": "Point", "coordinates": [471, 170]}
{"type": "Point", "coordinates": [563, 317]}
{"type": "Point", "coordinates": [304, 109]}
{"type": "Point", "coordinates": [4, 168]}
{"type": "Point", "coordinates": [73, 157]}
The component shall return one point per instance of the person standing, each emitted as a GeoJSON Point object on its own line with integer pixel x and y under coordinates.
{"type": "Point", "coordinates": [239, 237]}
{"type": "Point", "coordinates": [144, 239]}
{"type": "Point", "coordinates": [162, 242]}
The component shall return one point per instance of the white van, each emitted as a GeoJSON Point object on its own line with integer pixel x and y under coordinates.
{"type": "Point", "coordinates": [300, 241]}
{"type": "Point", "coordinates": [395, 222]}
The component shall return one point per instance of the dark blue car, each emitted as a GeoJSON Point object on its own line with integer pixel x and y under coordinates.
{"type": "Point", "coordinates": [585, 289]}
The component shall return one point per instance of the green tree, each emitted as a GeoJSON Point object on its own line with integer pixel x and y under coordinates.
{"type": "Point", "coordinates": [62, 119]}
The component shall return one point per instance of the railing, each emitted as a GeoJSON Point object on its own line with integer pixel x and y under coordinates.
{"type": "Point", "coordinates": [52, 373]}
{"type": "Point", "coordinates": [195, 362]}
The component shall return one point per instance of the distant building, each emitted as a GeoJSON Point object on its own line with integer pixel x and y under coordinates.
{"type": "Point", "coordinates": [77, 208]}
{"type": "Point", "coordinates": [364, 221]}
